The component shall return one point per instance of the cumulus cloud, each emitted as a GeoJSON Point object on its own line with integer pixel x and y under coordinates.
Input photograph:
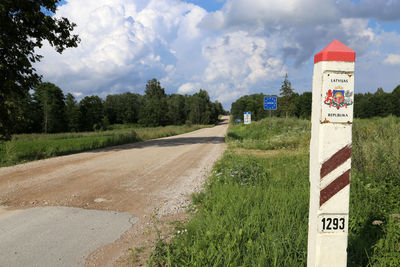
{"type": "Point", "coordinates": [274, 13]}
{"type": "Point", "coordinates": [234, 51]}
{"type": "Point", "coordinates": [122, 46]}
{"type": "Point", "coordinates": [188, 88]}
{"type": "Point", "coordinates": [392, 59]}
{"type": "Point", "coordinates": [385, 10]}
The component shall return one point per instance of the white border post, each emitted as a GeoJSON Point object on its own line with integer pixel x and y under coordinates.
{"type": "Point", "coordinates": [330, 155]}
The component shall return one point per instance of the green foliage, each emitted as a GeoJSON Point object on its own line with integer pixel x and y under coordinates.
{"type": "Point", "coordinates": [270, 134]}
{"type": "Point", "coordinates": [48, 110]}
{"type": "Point", "coordinates": [304, 105]}
{"type": "Point", "coordinates": [176, 109]}
{"type": "Point", "coordinates": [201, 109]}
{"type": "Point", "coordinates": [24, 26]}
{"type": "Point", "coordinates": [375, 187]}
{"type": "Point", "coordinates": [154, 111]}
{"type": "Point", "coordinates": [386, 252]}
{"type": "Point", "coordinates": [28, 147]}
{"type": "Point", "coordinates": [49, 100]}
{"type": "Point", "coordinates": [72, 113]}
{"type": "Point", "coordinates": [123, 108]}
{"type": "Point", "coordinates": [379, 104]}
{"type": "Point", "coordinates": [240, 219]}
{"type": "Point", "coordinates": [92, 112]}
{"type": "Point", "coordinates": [252, 103]}
{"type": "Point", "coordinates": [300, 106]}
{"type": "Point", "coordinates": [254, 209]}
{"type": "Point", "coordinates": [287, 102]}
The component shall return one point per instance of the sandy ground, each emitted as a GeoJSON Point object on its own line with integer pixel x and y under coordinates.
{"type": "Point", "coordinates": [150, 180]}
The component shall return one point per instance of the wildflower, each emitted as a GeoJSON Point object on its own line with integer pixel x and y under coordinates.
{"type": "Point", "coordinates": [377, 222]}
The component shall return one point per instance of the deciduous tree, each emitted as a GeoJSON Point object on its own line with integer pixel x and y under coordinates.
{"type": "Point", "coordinates": [72, 113]}
{"type": "Point", "coordinates": [50, 100]}
{"type": "Point", "coordinates": [92, 113]}
{"type": "Point", "coordinates": [154, 111]}
{"type": "Point", "coordinates": [24, 25]}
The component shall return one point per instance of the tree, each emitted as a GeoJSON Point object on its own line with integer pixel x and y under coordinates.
{"type": "Point", "coordinates": [92, 113]}
{"type": "Point", "coordinates": [250, 103]}
{"type": "Point", "coordinates": [72, 113]}
{"type": "Point", "coordinates": [123, 108]}
{"type": "Point", "coordinates": [199, 108]}
{"type": "Point", "coordinates": [396, 101]}
{"type": "Point", "coordinates": [304, 105]}
{"type": "Point", "coordinates": [24, 25]}
{"type": "Point", "coordinates": [50, 100]}
{"type": "Point", "coordinates": [286, 102]}
{"type": "Point", "coordinates": [154, 111]}
{"type": "Point", "coordinates": [176, 109]}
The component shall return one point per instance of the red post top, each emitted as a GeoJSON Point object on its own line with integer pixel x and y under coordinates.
{"type": "Point", "coordinates": [335, 51]}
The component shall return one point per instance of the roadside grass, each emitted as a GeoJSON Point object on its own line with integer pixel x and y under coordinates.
{"type": "Point", "coordinates": [29, 147]}
{"type": "Point", "coordinates": [270, 134]}
{"type": "Point", "coordinates": [254, 209]}
{"type": "Point", "coordinates": [374, 224]}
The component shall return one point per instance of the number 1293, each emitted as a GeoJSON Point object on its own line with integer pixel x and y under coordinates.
{"type": "Point", "coordinates": [332, 223]}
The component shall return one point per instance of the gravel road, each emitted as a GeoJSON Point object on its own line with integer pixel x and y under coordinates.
{"type": "Point", "coordinates": [131, 181]}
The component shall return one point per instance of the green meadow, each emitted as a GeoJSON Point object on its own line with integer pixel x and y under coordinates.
{"type": "Point", "coordinates": [28, 147]}
{"type": "Point", "coordinates": [253, 210]}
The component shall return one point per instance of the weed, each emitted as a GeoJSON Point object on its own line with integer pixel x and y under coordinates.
{"type": "Point", "coordinates": [254, 209]}
{"type": "Point", "coordinates": [28, 147]}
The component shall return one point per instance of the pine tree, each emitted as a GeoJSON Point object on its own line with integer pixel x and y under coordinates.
{"type": "Point", "coordinates": [287, 100]}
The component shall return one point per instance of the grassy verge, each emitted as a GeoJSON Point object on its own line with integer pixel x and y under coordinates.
{"type": "Point", "coordinates": [254, 209]}
{"type": "Point", "coordinates": [28, 147]}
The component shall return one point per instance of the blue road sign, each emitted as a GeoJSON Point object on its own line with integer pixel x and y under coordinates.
{"type": "Point", "coordinates": [270, 102]}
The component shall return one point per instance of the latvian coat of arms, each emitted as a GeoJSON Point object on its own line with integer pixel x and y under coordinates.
{"type": "Point", "coordinates": [338, 98]}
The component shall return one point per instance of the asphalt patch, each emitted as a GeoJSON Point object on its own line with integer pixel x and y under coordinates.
{"type": "Point", "coordinates": [58, 236]}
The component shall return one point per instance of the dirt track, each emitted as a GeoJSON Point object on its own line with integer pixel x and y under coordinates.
{"type": "Point", "coordinates": [140, 179]}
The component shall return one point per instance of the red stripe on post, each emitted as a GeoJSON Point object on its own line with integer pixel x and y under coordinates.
{"type": "Point", "coordinates": [335, 161]}
{"type": "Point", "coordinates": [334, 187]}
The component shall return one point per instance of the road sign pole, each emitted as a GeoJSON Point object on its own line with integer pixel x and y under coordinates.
{"type": "Point", "coordinates": [330, 155]}
{"type": "Point", "coordinates": [270, 119]}
{"type": "Point", "coordinates": [270, 103]}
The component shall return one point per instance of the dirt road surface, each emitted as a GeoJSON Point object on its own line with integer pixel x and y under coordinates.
{"type": "Point", "coordinates": [148, 179]}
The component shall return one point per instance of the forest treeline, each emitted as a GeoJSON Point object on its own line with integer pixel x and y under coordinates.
{"type": "Point", "coordinates": [292, 104]}
{"type": "Point", "coordinates": [48, 110]}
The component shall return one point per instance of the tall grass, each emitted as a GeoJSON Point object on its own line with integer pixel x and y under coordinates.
{"type": "Point", "coordinates": [254, 209]}
{"type": "Point", "coordinates": [28, 147]}
{"type": "Point", "coordinates": [270, 134]}
{"type": "Point", "coordinates": [374, 225]}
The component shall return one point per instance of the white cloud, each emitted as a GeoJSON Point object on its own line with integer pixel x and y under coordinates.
{"type": "Point", "coordinates": [274, 13]}
{"type": "Point", "coordinates": [385, 10]}
{"type": "Point", "coordinates": [188, 88]}
{"type": "Point", "coordinates": [246, 47]}
{"type": "Point", "coordinates": [241, 58]}
{"type": "Point", "coordinates": [392, 59]}
{"type": "Point", "coordinates": [122, 46]}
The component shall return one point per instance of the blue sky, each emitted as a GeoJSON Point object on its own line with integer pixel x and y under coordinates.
{"type": "Point", "coordinates": [230, 48]}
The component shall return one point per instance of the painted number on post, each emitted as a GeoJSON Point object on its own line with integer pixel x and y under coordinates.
{"type": "Point", "coordinates": [332, 223]}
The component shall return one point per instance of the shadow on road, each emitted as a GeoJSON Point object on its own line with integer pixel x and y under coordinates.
{"type": "Point", "coordinates": [167, 142]}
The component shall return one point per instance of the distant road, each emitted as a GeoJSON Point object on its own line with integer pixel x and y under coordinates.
{"type": "Point", "coordinates": [55, 212]}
